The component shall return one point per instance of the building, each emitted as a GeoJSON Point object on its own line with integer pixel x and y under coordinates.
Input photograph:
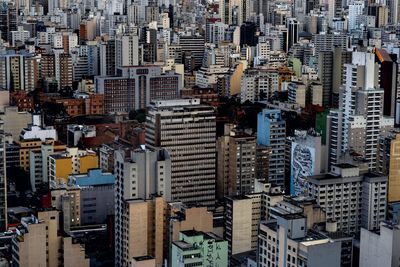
{"type": "Point", "coordinates": [297, 93]}
{"type": "Point", "coordinates": [307, 158]}
{"type": "Point", "coordinates": [199, 249]}
{"type": "Point", "coordinates": [271, 132]}
{"type": "Point", "coordinates": [142, 232]}
{"type": "Point", "coordinates": [39, 162]}
{"type": "Point", "coordinates": [8, 20]}
{"type": "Point", "coordinates": [38, 243]}
{"type": "Point", "coordinates": [287, 242]}
{"type": "Point", "coordinates": [380, 248]}
{"type": "Point", "coordinates": [187, 130]}
{"type": "Point", "coordinates": [292, 38]}
{"type": "Point", "coordinates": [70, 161]}
{"type": "Point", "coordinates": [388, 82]}
{"type": "Point", "coordinates": [135, 87]}
{"type": "Point", "coordinates": [126, 50]}
{"type": "Point", "coordinates": [360, 106]}
{"type": "Point", "coordinates": [36, 130]}
{"type": "Point", "coordinates": [236, 163]}
{"type": "Point", "coordinates": [14, 121]}
{"type": "Point", "coordinates": [351, 197]}
{"type": "Point", "coordinates": [3, 180]}
{"type": "Point", "coordinates": [96, 195]}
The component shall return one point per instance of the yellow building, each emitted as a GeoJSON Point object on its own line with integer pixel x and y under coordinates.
{"type": "Point", "coordinates": [89, 161]}
{"type": "Point", "coordinates": [60, 166]}
{"type": "Point", "coordinates": [394, 170]}
{"type": "Point", "coordinates": [26, 146]}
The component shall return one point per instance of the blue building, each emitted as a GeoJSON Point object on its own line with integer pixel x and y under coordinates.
{"type": "Point", "coordinates": [271, 132]}
{"type": "Point", "coordinates": [96, 195]}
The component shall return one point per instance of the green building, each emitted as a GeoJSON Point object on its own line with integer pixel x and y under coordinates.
{"type": "Point", "coordinates": [196, 248]}
{"type": "Point", "coordinates": [320, 125]}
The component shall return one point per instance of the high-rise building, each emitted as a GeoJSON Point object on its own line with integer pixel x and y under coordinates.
{"type": "Point", "coordinates": [236, 163]}
{"type": "Point", "coordinates": [271, 132]}
{"type": "Point", "coordinates": [292, 37]}
{"type": "Point", "coordinates": [194, 46]}
{"type": "Point", "coordinates": [388, 80]}
{"type": "Point", "coordinates": [325, 72]}
{"type": "Point", "coordinates": [126, 50]}
{"type": "Point", "coordinates": [187, 130]}
{"type": "Point", "coordinates": [351, 197]}
{"type": "Point", "coordinates": [8, 20]}
{"type": "Point", "coordinates": [135, 87]}
{"type": "Point", "coordinates": [140, 174]}
{"type": "Point", "coordinates": [356, 125]}
{"type": "Point", "coordinates": [3, 180]}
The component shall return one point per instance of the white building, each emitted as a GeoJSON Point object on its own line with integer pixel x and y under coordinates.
{"type": "Point", "coordinates": [350, 197]}
{"type": "Point", "coordinates": [35, 130]}
{"type": "Point", "coordinates": [19, 35]}
{"type": "Point", "coordinates": [380, 248]}
{"type": "Point", "coordinates": [126, 50]}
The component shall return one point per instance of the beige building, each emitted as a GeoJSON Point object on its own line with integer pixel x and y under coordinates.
{"type": "Point", "coordinates": [394, 170]}
{"type": "Point", "coordinates": [236, 153]}
{"type": "Point", "coordinates": [144, 231]}
{"type": "Point", "coordinates": [38, 244]}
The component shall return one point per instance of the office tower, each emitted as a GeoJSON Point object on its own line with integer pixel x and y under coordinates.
{"type": "Point", "coordinates": [297, 93]}
{"type": "Point", "coordinates": [393, 11]}
{"type": "Point", "coordinates": [107, 58]}
{"type": "Point", "coordinates": [66, 73]}
{"type": "Point", "coordinates": [306, 159]}
{"type": "Point", "coordinates": [388, 80]}
{"type": "Point", "coordinates": [381, 13]}
{"type": "Point", "coordinates": [355, 11]}
{"type": "Point", "coordinates": [140, 230]}
{"type": "Point", "coordinates": [39, 243]}
{"type": "Point", "coordinates": [236, 163]}
{"type": "Point", "coordinates": [380, 248]}
{"type": "Point", "coordinates": [248, 34]}
{"type": "Point", "coordinates": [325, 71]}
{"type": "Point", "coordinates": [135, 87]}
{"type": "Point", "coordinates": [193, 46]}
{"type": "Point", "coordinates": [271, 132]}
{"type": "Point", "coordinates": [226, 11]}
{"type": "Point", "coordinates": [140, 174]}
{"type": "Point", "coordinates": [186, 129]}
{"type": "Point", "coordinates": [288, 241]}
{"type": "Point", "coordinates": [394, 170]}
{"type": "Point", "coordinates": [126, 50]}
{"type": "Point", "coordinates": [356, 125]}
{"type": "Point", "coordinates": [19, 72]}
{"type": "Point", "coordinates": [3, 180]}
{"type": "Point", "coordinates": [8, 20]}
{"type": "Point", "coordinates": [191, 242]}
{"type": "Point", "coordinates": [352, 197]}
{"type": "Point", "coordinates": [292, 37]}
{"type": "Point", "coordinates": [340, 57]}
{"type": "Point", "coordinates": [238, 224]}
{"type": "Point", "coordinates": [328, 41]}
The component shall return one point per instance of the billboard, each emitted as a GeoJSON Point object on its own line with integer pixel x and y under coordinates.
{"type": "Point", "coordinates": [302, 166]}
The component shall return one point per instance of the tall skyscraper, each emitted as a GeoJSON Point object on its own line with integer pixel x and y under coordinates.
{"type": "Point", "coordinates": [271, 132]}
{"type": "Point", "coordinates": [8, 20]}
{"type": "Point", "coordinates": [292, 37]}
{"type": "Point", "coordinates": [388, 80]}
{"type": "Point", "coordinates": [126, 50]}
{"type": "Point", "coordinates": [3, 180]}
{"type": "Point", "coordinates": [186, 129]}
{"type": "Point", "coordinates": [356, 125]}
{"type": "Point", "coordinates": [139, 174]}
